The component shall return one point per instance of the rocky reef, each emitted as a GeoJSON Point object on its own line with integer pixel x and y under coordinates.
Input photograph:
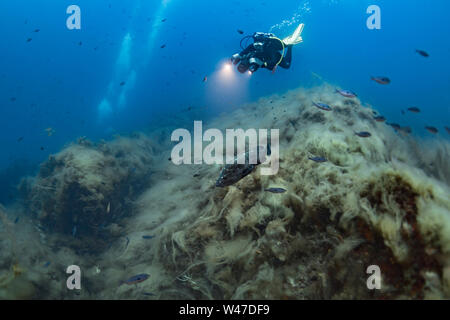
{"type": "Point", "coordinates": [370, 204]}
{"type": "Point", "coordinates": [382, 200]}
{"type": "Point", "coordinates": [85, 189]}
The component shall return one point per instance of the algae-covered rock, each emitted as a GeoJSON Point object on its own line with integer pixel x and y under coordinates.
{"type": "Point", "coordinates": [86, 186]}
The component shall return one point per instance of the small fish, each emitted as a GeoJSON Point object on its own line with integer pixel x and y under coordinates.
{"type": "Point", "coordinates": [422, 53]}
{"type": "Point", "coordinates": [447, 129]}
{"type": "Point", "coordinates": [196, 175]}
{"type": "Point", "coordinates": [414, 110]}
{"type": "Point", "coordinates": [147, 237]}
{"type": "Point", "coordinates": [205, 79]}
{"type": "Point", "coordinates": [318, 159]}
{"type": "Point", "coordinates": [275, 190]}
{"type": "Point", "coordinates": [16, 220]}
{"type": "Point", "coordinates": [163, 46]}
{"type": "Point", "coordinates": [42, 148]}
{"type": "Point", "coordinates": [37, 30]}
{"type": "Point", "coordinates": [381, 80]}
{"type": "Point", "coordinates": [346, 93]}
{"type": "Point", "coordinates": [322, 106]}
{"type": "Point", "coordinates": [128, 242]}
{"type": "Point", "coordinates": [20, 139]}
{"type": "Point", "coordinates": [363, 134]}
{"type": "Point", "coordinates": [406, 130]}
{"type": "Point", "coordinates": [432, 130]}
{"type": "Point", "coordinates": [240, 31]}
{"type": "Point", "coordinates": [74, 231]}
{"type": "Point", "coordinates": [50, 131]}
{"type": "Point", "coordinates": [80, 43]}
{"type": "Point", "coordinates": [380, 119]}
{"type": "Point", "coordinates": [396, 126]}
{"type": "Point", "coordinates": [148, 294]}
{"type": "Point", "coordinates": [29, 39]}
{"type": "Point", "coordinates": [122, 83]}
{"type": "Point", "coordinates": [108, 207]}
{"type": "Point", "coordinates": [137, 279]}
{"type": "Point", "coordinates": [164, 20]}
{"type": "Point", "coordinates": [46, 264]}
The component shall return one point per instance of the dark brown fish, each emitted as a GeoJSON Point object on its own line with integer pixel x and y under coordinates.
{"type": "Point", "coordinates": [363, 134]}
{"type": "Point", "coordinates": [406, 130]}
{"type": "Point", "coordinates": [414, 110]}
{"type": "Point", "coordinates": [205, 79]}
{"type": "Point", "coordinates": [380, 119]}
{"type": "Point", "coordinates": [396, 126]}
{"type": "Point", "coordinates": [423, 53]}
{"type": "Point", "coordinates": [233, 173]}
{"type": "Point", "coordinates": [29, 39]}
{"type": "Point", "coordinates": [432, 130]}
{"type": "Point", "coordinates": [240, 31]}
{"type": "Point", "coordinates": [163, 46]}
{"type": "Point", "coordinates": [187, 109]}
{"type": "Point", "coordinates": [275, 190]}
{"type": "Point", "coordinates": [381, 80]}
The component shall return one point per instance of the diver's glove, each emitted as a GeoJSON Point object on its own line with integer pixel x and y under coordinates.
{"type": "Point", "coordinates": [295, 38]}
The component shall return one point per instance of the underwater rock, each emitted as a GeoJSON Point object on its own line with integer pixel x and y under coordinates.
{"type": "Point", "coordinates": [379, 201]}
{"type": "Point", "coordinates": [337, 219]}
{"type": "Point", "coordinates": [75, 187]}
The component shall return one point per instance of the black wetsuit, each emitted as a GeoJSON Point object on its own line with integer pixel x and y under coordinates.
{"type": "Point", "coordinates": [269, 51]}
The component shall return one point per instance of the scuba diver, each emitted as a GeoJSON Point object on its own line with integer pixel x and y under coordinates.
{"type": "Point", "coordinates": [264, 52]}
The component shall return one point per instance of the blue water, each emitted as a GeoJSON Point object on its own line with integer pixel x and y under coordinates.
{"type": "Point", "coordinates": [60, 78]}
